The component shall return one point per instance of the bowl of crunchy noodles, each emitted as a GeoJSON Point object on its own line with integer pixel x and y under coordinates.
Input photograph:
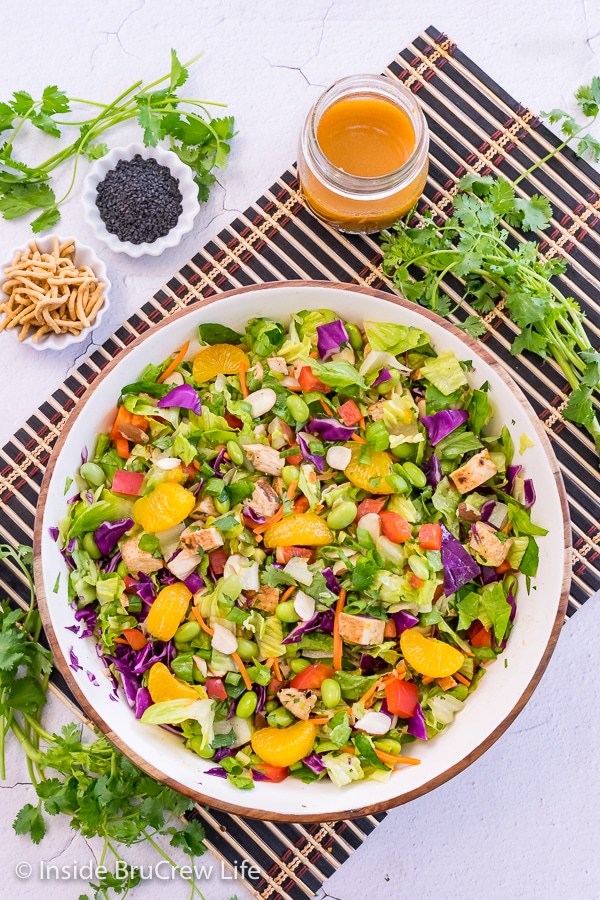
{"type": "Point", "coordinates": [53, 292]}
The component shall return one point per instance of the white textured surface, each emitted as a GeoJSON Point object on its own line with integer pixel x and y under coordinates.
{"type": "Point", "coordinates": [521, 822]}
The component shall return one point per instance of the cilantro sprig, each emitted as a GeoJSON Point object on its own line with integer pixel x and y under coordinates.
{"type": "Point", "coordinates": [474, 246]}
{"type": "Point", "coordinates": [100, 790]}
{"type": "Point", "coordinates": [198, 139]}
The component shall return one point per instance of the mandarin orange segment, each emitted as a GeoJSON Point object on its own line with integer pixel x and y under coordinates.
{"type": "Point", "coordinates": [163, 685]}
{"type": "Point", "coordinates": [284, 746]}
{"type": "Point", "coordinates": [370, 476]}
{"type": "Point", "coordinates": [167, 612]}
{"type": "Point", "coordinates": [220, 359]}
{"type": "Point", "coordinates": [428, 656]}
{"type": "Point", "coordinates": [164, 507]}
{"type": "Point", "coordinates": [306, 530]}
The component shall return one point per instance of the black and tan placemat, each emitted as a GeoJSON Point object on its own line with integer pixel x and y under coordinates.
{"type": "Point", "coordinates": [475, 127]}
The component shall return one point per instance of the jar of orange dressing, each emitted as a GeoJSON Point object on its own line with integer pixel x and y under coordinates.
{"type": "Point", "coordinates": [363, 156]}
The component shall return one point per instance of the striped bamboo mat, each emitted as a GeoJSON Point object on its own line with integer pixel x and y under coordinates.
{"type": "Point", "coordinates": [475, 127]}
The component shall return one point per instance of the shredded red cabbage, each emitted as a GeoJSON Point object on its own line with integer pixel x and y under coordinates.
{"type": "Point", "coordinates": [217, 462]}
{"type": "Point", "coordinates": [232, 708]}
{"type": "Point", "coordinates": [315, 763]}
{"type": "Point", "coordinates": [371, 664]}
{"type": "Point", "coordinates": [216, 770]}
{"type": "Point", "coordinates": [442, 423]}
{"type": "Point", "coordinates": [88, 618]}
{"type": "Point", "coordinates": [433, 471]}
{"type": "Point", "coordinates": [416, 724]}
{"type": "Point", "coordinates": [84, 455]}
{"type": "Point", "coordinates": [74, 664]}
{"type": "Point", "coordinates": [194, 582]}
{"type": "Point", "coordinates": [315, 458]}
{"type": "Point", "coordinates": [459, 565]}
{"type": "Point", "coordinates": [529, 493]}
{"type": "Point", "coordinates": [142, 701]}
{"type": "Point", "coordinates": [261, 693]}
{"type": "Point", "coordinates": [250, 514]}
{"type": "Point", "coordinates": [53, 532]}
{"type": "Point", "coordinates": [330, 429]}
{"type": "Point", "coordinates": [144, 587]}
{"type": "Point", "coordinates": [330, 338]}
{"type": "Point", "coordinates": [224, 752]}
{"type": "Point", "coordinates": [487, 509]}
{"type": "Point", "coordinates": [184, 396]}
{"type": "Point", "coordinates": [330, 580]}
{"type": "Point", "coordinates": [384, 375]}
{"type": "Point", "coordinates": [108, 534]}
{"type": "Point", "coordinates": [92, 678]}
{"type": "Point", "coordinates": [403, 621]}
{"type": "Point", "coordinates": [511, 474]}
{"type": "Point", "coordinates": [113, 563]}
{"type": "Point", "coordinates": [321, 621]}
{"type": "Point", "coordinates": [488, 574]}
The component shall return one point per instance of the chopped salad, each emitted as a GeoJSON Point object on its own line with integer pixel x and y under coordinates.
{"type": "Point", "coordinates": [300, 547]}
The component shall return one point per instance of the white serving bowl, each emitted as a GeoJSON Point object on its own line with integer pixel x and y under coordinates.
{"type": "Point", "coordinates": [84, 256]}
{"type": "Point", "coordinates": [502, 693]}
{"type": "Point", "coordinates": [187, 187]}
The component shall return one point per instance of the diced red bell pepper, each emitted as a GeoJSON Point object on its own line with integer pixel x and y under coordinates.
{"type": "Point", "coordinates": [284, 554]}
{"type": "Point", "coordinates": [129, 483]}
{"type": "Point", "coordinates": [215, 689]}
{"type": "Point", "coordinates": [312, 677]}
{"type": "Point", "coordinates": [273, 773]}
{"type": "Point", "coordinates": [479, 636]}
{"type": "Point", "coordinates": [301, 505]}
{"type": "Point", "coordinates": [309, 382]}
{"type": "Point", "coordinates": [390, 629]}
{"type": "Point", "coordinates": [395, 527]}
{"type": "Point", "coordinates": [295, 459]}
{"type": "Point", "coordinates": [401, 697]}
{"type": "Point", "coordinates": [135, 638]}
{"type": "Point", "coordinates": [274, 686]}
{"type": "Point", "coordinates": [233, 421]}
{"type": "Point", "coordinates": [349, 413]}
{"type": "Point", "coordinates": [416, 582]}
{"type": "Point", "coordinates": [218, 558]}
{"type": "Point", "coordinates": [430, 537]}
{"type": "Point", "coordinates": [370, 506]}
{"type": "Point", "coordinates": [130, 584]}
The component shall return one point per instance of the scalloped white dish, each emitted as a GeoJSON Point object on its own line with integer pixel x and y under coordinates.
{"type": "Point", "coordinates": [503, 692]}
{"type": "Point", "coordinates": [84, 256]}
{"type": "Point", "coordinates": [187, 187]}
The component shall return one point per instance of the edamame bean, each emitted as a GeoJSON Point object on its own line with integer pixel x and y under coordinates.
{"type": "Point", "coordinates": [386, 386]}
{"type": "Point", "coordinates": [183, 646]}
{"type": "Point", "coordinates": [122, 570]}
{"type": "Point", "coordinates": [389, 745]}
{"type": "Point", "coordinates": [247, 649]}
{"type": "Point", "coordinates": [236, 454]}
{"type": "Point", "coordinates": [222, 504]}
{"type": "Point", "coordinates": [93, 474]}
{"type": "Point", "coordinates": [187, 632]}
{"type": "Point", "coordinates": [354, 336]}
{"type": "Point", "coordinates": [298, 408]}
{"type": "Point", "coordinates": [285, 612]}
{"type": "Point", "coordinates": [414, 474]}
{"type": "Point", "coordinates": [90, 546]}
{"type": "Point", "coordinates": [398, 484]}
{"type": "Point", "coordinates": [270, 705]}
{"type": "Point", "coordinates": [280, 718]}
{"type": "Point", "coordinates": [246, 705]}
{"type": "Point", "coordinates": [331, 693]}
{"type": "Point", "coordinates": [299, 665]}
{"type": "Point", "coordinates": [290, 474]}
{"type": "Point", "coordinates": [418, 566]}
{"type": "Point", "coordinates": [404, 451]}
{"type": "Point", "coordinates": [206, 752]}
{"type": "Point", "coordinates": [342, 515]}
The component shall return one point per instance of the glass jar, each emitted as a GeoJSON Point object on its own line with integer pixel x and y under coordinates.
{"type": "Point", "coordinates": [358, 203]}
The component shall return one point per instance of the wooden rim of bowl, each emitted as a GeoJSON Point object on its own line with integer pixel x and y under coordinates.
{"type": "Point", "coordinates": [350, 813]}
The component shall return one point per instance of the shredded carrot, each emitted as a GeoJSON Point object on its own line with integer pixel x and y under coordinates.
{"type": "Point", "coordinates": [140, 422]}
{"type": "Point", "coordinates": [503, 567]}
{"type": "Point", "coordinates": [323, 721]}
{"type": "Point", "coordinates": [301, 505]}
{"type": "Point", "coordinates": [391, 759]}
{"type": "Point", "coordinates": [200, 620]}
{"type": "Point", "coordinates": [122, 448]}
{"type": "Point", "coordinates": [134, 637]}
{"type": "Point", "coordinates": [276, 669]}
{"type": "Point", "coordinates": [365, 699]}
{"type": "Point", "coordinates": [262, 528]}
{"type": "Point", "coordinates": [174, 363]}
{"type": "Point", "coordinates": [313, 354]}
{"type": "Point", "coordinates": [292, 489]}
{"type": "Point", "coordinates": [362, 424]}
{"type": "Point", "coordinates": [287, 593]}
{"type": "Point", "coordinates": [462, 679]}
{"type": "Point", "coordinates": [243, 672]}
{"type": "Point", "coordinates": [123, 417]}
{"type": "Point", "coordinates": [326, 408]}
{"type": "Point", "coordinates": [243, 385]}
{"type": "Point", "coordinates": [359, 439]}
{"type": "Point", "coordinates": [427, 679]}
{"type": "Point", "coordinates": [337, 641]}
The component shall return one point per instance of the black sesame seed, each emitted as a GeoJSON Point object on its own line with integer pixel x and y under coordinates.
{"type": "Point", "coordinates": [139, 200]}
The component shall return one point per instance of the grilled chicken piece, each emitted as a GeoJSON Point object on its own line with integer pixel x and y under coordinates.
{"type": "Point", "coordinates": [205, 507]}
{"type": "Point", "coordinates": [375, 410]}
{"type": "Point", "coordinates": [485, 542]}
{"type": "Point", "coordinates": [267, 599]}
{"type": "Point", "coordinates": [138, 560]}
{"type": "Point", "coordinates": [277, 364]}
{"type": "Point", "coordinates": [360, 630]}
{"type": "Point", "coordinates": [264, 500]}
{"type": "Point", "coordinates": [265, 459]}
{"type": "Point", "coordinates": [479, 468]}
{"type": "Point", "coordinates": [206, 538]}
{"type": "Point", "coordinates": [297, 702]}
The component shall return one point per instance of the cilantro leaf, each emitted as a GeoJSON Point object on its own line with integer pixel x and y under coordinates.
{"type": "Point", "coordinates": [47, 219]}
{"type": "Point", "coordinates": [30, 821]}
{"type": "Point", "coordinates": [580, 408]}
{"type": "Point", "coordinates": [591, 375]}
{"type": "Point", "coordinates": [589, 145]}
{"type": "Point", "coordinates": [529, 340]}
{"type": "Point", "coordinates": [474, 326]}
{"type": "Point", "coordinates": [22, 102]}
{"type": "Point", "coordinates": [22, 198]}
{"type": "Point", "coordinates": [526, 308]}
{"type": "Point", "coordinates": [13, 650]}
{"type": "Point", "coordinates": [179, 74]}
{"type": "Point", "coordinates": [536, 213]}
{"type": "Point", "coordinates": [26, 694]}
{"type": "Point", "coordinates": [149, 122]}
{"type": "Point", "coordinates": [96, 150]}
{"type": "Point", "coordinates": [54, 101]}
{"type": "Point", "coordinates": [45, 124]}
{"type": "Point", "coordinates": [190, 839]}
{"type": "Point", "coordinates": [502, 197]}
